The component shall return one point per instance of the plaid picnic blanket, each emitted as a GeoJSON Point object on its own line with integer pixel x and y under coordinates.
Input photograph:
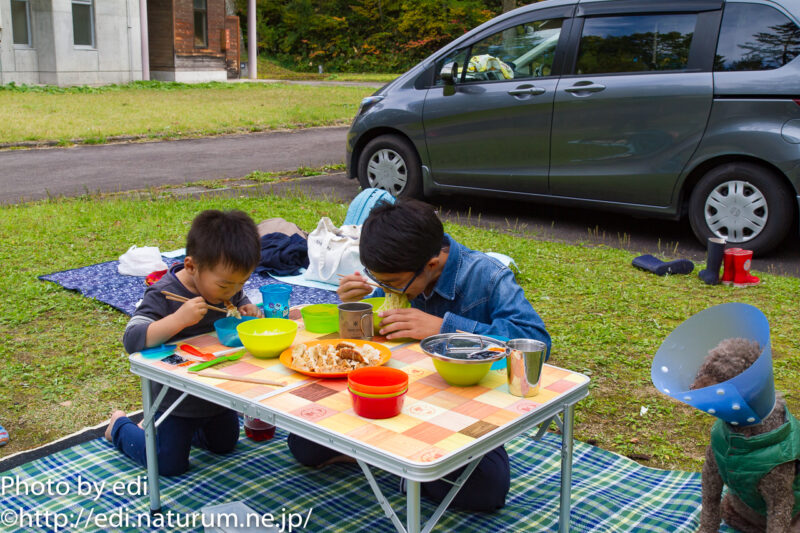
{"type": "Point", "coordinates": [609, 492]}
{"type": "Point", "coordinates": [102, 282]}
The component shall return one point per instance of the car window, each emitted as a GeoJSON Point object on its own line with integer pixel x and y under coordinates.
{"type": "Point", "coordinates": [755, 37]}
{"type": "Point", "coordinates": [520, 52]}
{"type": "Point", "coordinates": [636, 43]}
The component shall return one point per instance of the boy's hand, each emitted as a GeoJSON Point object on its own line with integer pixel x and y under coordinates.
{"type": "Point", "coordinates": [192, 311]}
{"type": "Point", "coordinates": [250, 310]}
{"type": "Point", "coordinates": [409, 324]}
{"type": "Point", "coordinates": [353, 288]}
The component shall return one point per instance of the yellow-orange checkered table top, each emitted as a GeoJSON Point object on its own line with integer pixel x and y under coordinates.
{"type": "Point", "coordinates": [437, 419]}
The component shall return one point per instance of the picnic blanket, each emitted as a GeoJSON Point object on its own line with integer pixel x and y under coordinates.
{"type": "Point", "coordinates": [102, 282]}
{"type": "Point", "coordinates": [609, 492]}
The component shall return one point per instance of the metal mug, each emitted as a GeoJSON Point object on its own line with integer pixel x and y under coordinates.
{"type": "Point", "coordinates": [524, 366]}
{"type": "Point", "coordinates": [355, 320]}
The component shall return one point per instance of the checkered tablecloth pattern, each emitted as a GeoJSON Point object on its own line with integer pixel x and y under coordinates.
{"type": "Point", "coordinates": [609, 492]}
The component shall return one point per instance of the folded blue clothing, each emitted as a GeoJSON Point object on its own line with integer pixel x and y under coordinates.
{"type": "Point", "coordinates": [662, 268]}
{"type": "Point", "coordinates": [282, 255]}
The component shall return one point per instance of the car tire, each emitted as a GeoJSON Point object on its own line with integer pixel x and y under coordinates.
{"type": "Point", "coordinates": [391, 163]}
{"type": "Point", "coordinates": [744, 203]}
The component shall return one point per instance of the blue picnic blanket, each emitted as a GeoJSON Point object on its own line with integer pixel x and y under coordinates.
{"type": "Point", "coordinates": [102, 282]}
{"type": "Point", "coordinates": [609, 492]}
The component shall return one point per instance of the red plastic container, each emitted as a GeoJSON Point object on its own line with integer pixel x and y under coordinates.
{"type": "Point", "coordinates": [258, 430]}
{"type": "Point", "coordinates": [377, 407]}
{"type": "Point", "coordinates": [377, 380]}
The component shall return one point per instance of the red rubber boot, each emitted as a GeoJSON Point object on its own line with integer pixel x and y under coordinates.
{"type": "Point", "coordinates": [741, 262]}
{"type": "Point", "coordinates": [728, 270]}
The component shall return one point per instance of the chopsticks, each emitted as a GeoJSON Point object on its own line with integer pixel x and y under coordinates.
{"type": "Point", "coordinates": [219, 375]}
{"type": "Point", "coordinates": [178, 298]}
{"type": "Point", "coordinates": [368, 282]}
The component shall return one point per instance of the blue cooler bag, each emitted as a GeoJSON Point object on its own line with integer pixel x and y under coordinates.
{"type": "Point", "coordinates": [363, 203]}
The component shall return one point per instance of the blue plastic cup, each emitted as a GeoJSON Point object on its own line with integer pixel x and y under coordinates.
{"type": "Point", "coordinates": [275, 298]}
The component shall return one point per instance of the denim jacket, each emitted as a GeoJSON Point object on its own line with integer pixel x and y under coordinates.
{"type": "Point", "coordinates": [477, 294]}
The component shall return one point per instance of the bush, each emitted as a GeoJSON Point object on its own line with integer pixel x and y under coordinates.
{"type": "Point", "coordinates": [362, 35]}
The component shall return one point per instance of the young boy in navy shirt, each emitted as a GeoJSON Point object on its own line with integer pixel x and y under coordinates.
{"type": "Point", "coordinates": [451, 288]}
{"type": "Point", "coordinates": [222, 250]}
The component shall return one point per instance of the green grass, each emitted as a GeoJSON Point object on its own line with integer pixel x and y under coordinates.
{"type": "Point", "coordinates": [93, 115]}
{"type": "Point", "coordinates": [271, 70]}
{"type": "Point", "coordinates": [606, 318]}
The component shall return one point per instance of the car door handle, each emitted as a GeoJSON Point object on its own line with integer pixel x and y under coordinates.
{"type": "Point", "coordinates": [588, 88]}
{"type": "Point", "coordinates": [523, 90]}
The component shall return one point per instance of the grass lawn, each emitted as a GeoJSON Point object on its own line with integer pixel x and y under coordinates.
{"type": "Point", "coordinates": [606, 318]}
{"type": "Point", "coordinates": [169, 110]}
{"type": "Point", "coordinates": [270, 70]}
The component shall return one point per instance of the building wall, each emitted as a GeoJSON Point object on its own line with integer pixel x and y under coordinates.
{"type": "Point", "coordinates": [53, 58]}
{"type": "Point", "coordinates": [189, 63]}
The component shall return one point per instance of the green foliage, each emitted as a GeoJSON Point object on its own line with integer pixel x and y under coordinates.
{"type": "Point", "coordinates": [362, 35]}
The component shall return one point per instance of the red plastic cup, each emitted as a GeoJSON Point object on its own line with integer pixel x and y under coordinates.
{"type": "Point", "coordinates": [377, 408]}
{"type": "Point", "coordinates": [377, 380]}
{"type": "Point", "coordinates": [257, 429]}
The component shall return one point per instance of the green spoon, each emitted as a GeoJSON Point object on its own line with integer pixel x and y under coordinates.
{"type": "Point", "coordinates": [232, 357]}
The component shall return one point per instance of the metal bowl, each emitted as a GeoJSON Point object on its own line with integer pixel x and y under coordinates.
{"type": "Point", "coordinates": [462, 359]}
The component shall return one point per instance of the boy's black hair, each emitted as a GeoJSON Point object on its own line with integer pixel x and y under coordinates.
{"type": "Point", "coordinates": [227, 237]}
{"type": "Point", "coordinates": [400, 237]}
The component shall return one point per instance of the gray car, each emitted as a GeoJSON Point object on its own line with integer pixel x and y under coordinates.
{"type": "Point", "coordinates": [664, 109]}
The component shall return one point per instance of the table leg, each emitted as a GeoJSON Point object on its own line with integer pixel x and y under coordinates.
{"type": "Point", "coordinates": [150, 448]}
{"type": "Point", "coordinates": [566, 469]}
{"type": "Point", "coordinates": [413, 515]}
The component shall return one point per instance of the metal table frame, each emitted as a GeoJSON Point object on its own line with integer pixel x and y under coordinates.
{"type": "Point", "coordinates": [365, 455]}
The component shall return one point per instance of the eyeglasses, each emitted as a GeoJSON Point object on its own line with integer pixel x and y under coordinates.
{"type": "Point", "coordinates": [386, 287]}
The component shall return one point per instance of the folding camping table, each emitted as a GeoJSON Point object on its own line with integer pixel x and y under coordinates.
{"type": "Point", "coordinates": [440, 429]}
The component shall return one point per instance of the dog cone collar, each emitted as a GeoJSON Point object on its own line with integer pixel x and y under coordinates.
{"type": "Point", "coordinates": [741, 401]}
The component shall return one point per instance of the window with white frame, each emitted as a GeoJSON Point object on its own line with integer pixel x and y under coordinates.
{"type": "Point", "coordinates": [83, 23]}
{"type": "Point", "coordinates": [200, 24]}
{"type": "Point", "coordinates": [21, 22]}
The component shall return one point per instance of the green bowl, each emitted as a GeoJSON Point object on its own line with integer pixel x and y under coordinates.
{"type": "Point", "coordinates": [321, 318]}
{"type": "Point", "coordinates": [461, 375]}
{"type": "Point", "coordinates": [376, 303]}
{"type": "Point", "coordinates": [267, 337]}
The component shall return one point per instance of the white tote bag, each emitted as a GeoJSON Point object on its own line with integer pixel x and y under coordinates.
{"type": "Point", "coordinates": [140, 261]}
{"type": "Point", "coordinates": [332, 252]}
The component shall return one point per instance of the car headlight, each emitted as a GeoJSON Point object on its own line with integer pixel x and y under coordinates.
{"type": "Point", "coordinates": [367, 103]}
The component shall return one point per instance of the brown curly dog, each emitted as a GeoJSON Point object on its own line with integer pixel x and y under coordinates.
{"type": "Point", "coordinates": [727, 360]}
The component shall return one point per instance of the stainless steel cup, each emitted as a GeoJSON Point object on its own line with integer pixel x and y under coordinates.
{"type": "Point", "coordinates": [355, 320]}
{"type": "Point", "coordinates": [524, 366]}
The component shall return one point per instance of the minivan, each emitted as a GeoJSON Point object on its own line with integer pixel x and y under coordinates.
{"type": "Point", "coordinates": [681, 108]}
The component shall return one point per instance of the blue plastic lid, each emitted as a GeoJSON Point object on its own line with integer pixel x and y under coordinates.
{"type": "Point", "coordinates": [741, 401]}
{"type": "Point", "coordinates": [159, 352]}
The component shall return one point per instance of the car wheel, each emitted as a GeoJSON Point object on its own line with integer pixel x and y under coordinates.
{"type": "Point", "coordinates": [391, 163]}
{"type": "Point", "coordinates": [745, 204]}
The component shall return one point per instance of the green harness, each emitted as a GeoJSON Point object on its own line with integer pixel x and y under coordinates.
{"type": "Point", "coordinates": [743, 461]}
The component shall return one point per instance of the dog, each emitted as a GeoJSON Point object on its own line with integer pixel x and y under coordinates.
{"type": "Point", "coordinates": [727, 360]}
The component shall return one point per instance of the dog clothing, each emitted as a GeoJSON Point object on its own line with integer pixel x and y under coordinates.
{"type": "Point", "coordinates": [743, 461]}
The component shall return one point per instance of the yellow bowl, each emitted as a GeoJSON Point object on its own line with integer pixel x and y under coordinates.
{"type": "Point", "coordinates": [267, 337]}
{"type": "Point", "coordinates": [376, 302]}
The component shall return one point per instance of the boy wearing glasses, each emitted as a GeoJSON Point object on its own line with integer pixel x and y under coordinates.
{"type": "Point", "coordinates": [405, 250]}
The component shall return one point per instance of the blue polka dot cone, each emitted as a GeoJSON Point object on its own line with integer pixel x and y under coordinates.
{"type": "Point", "coordinates": [741, 401]}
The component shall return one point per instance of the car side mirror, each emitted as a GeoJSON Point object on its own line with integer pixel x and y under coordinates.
{"type": "Point", "coordinates": [449, 73]}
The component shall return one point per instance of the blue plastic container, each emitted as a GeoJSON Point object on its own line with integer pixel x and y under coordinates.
{"type": "Point", "coordinates": [226, 330]}
{"type": "Point", "coordinates": [275, 299]}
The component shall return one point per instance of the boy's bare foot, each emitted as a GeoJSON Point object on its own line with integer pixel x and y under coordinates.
{"type": "Point", "coordinates": [114, 416]}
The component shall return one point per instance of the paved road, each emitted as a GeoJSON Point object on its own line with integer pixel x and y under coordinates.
{"type": "Point", "coordinates": [35, 174]}
{"type": "Point", "coordinates": [32, 174]}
